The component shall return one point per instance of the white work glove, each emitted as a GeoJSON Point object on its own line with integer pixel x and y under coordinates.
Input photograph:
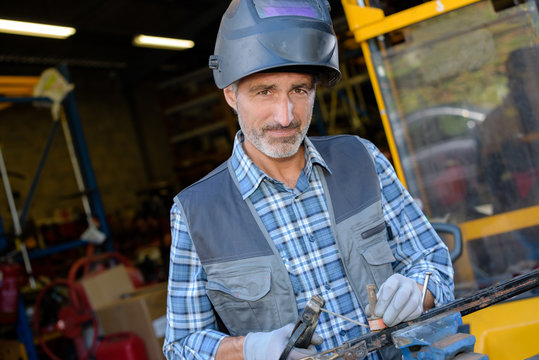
{"type": "Point", "coordinates": [399, 299]}
{"type": "Point", "coordinates": [270, 345]}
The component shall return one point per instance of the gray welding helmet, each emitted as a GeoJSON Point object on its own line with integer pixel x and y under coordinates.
{"type": "Point", "coordinates": [271, 35]}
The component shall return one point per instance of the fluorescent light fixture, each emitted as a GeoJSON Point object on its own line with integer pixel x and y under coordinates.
{"type": "Point", "coordinates": [35, 29]}
{"type": "Point", "coordinates": [162, 42]}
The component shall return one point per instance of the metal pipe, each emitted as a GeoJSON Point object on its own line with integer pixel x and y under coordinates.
{"type": "Point", "coordinates": [425, 285]}
{"type": "Point", "coordinates": [76, 168]}
{"type": "Point", "coordinates": [16, 223]}
{"type": "Point", "coordinates": [83, 157]}
{"type": "Point", "coordinates": [344, 318]}
{"type": "Point", "coordinates": [9, 196]}
{"type": "Point", "coordinates": [37, 175]}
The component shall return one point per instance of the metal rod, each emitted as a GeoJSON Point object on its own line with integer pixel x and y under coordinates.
{"type": "Point", "coordinates": [83, 157]}
{"type": "Point", "coordinates": [37, 175]}
{"type": "Point", "coordinates": [76, 168]}
{"type": "Point", "coordinates": [425, 285]}
{"type": "Point", "coordinates": [9, 196]}
{"type": "Point", "coordinates": [371, 293]}
{"type": "Point", "coordinates": [344, 317]}
{"type": "Point", "coordinates": [23, 99]}
{"type": "Point", "coordinates": [16, 223]}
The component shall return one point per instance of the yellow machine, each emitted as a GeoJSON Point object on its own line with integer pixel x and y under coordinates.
{"type": "Point", "coordinates": [457, 87]}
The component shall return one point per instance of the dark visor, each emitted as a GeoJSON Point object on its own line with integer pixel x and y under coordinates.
{"type": "Point", "coordinates": [271, 8]}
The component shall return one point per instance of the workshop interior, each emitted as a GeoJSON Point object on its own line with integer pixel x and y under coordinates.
{"type": "Point", "coordinates": [100, 130]}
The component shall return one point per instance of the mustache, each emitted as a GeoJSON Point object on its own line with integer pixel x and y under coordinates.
{"type": "Point", "coordinates": [293, 125]}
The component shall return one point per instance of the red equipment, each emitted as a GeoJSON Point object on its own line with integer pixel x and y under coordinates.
{"type": "Point", "coordinates": [9, 292]}
{"type": "Point", "coordinates": [70, 318]}
{"type": "Point", "coordinates": [76, 312]}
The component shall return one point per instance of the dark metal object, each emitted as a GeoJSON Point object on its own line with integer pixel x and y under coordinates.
{"type": "Point", "coordinates": [457, 237]}
{"type": "Point", "coordinates": [480, 300]}
{"type": "Point", "coordinates": [304, 329]}
{"type": "Point", "coordinates": [436, 339]}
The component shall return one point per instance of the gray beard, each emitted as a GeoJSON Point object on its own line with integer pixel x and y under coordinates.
{"type": "Point", "coordinates": [281, 150]}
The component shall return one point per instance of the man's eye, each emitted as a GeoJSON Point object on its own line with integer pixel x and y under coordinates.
{"type": "Point", "coordinates": [300, 91]}
{"type": "Point", "coordinates": [264, 92]}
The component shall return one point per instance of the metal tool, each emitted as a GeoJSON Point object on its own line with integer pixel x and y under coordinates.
{"type": "Point", "coordinates": [436, 339]}
{"type": "Point", "coordinates": [358, 348]}
{"type": "Point", "coordinates": [425, 285]}
{"type": "Point", "coordinates": [376, 323]}
{"type": "Point", "coordinates": [304, 329]}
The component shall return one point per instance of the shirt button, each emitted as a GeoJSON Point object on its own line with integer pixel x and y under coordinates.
{"type": "Point", "coordinates": [327, 286]}
{"type": "Point", "coordinates": [342, 332]}
{"type": "Point", "coordinates": [311, 238]}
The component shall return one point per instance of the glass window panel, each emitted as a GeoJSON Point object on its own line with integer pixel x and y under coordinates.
{"type": "Point", "coordinates": [270, 8]}
{"type": "Point", "coordinates": [462, 96]}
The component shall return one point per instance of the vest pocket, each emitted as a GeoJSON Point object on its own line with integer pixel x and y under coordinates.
{"type": "Point", "coordinates": [239, 297]}
{"type": "Point", "coordinates": [378, 256]}
{"type": "Point", "coordinates": [378, 253]}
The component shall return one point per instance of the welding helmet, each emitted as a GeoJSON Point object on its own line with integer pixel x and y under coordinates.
{"type": "Point", "coordinates": [275, 35]}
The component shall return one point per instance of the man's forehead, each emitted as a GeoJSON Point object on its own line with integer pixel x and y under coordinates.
{"type": "Point", "coordinates": [277, 78]}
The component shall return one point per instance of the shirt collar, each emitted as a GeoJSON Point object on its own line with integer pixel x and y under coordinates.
{"type": "Point", "coordinates": [250, 176]}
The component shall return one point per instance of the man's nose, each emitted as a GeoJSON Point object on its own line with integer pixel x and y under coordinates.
{"type": "Point", "coordinates": [283, 112]}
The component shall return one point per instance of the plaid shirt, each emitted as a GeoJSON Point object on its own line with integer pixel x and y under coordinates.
{"type": "Point", "coordinates": [299, 224]}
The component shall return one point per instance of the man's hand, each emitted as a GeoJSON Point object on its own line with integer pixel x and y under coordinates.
{"type": "Point", "coordinates": [270, 345]}
{"type": "Point", "coordinates": [399, 299]}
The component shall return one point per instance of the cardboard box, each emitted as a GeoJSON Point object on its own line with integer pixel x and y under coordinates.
{"type": "Point", "coordinates": [143, 313]}
{"type": "Point", "coordinates": [106, 287]}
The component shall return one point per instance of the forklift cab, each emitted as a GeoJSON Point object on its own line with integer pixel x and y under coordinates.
{"type": "Point", "coordinates": [457, 87]}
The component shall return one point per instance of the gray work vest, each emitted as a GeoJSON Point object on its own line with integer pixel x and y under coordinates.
{"type": "Point", "coordinates": [248, 283]}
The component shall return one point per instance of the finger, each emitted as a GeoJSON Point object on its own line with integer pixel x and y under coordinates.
{"type": "Point", "coordinates": [409, 311]}
{"type": "Point", "coordinates": [398, 304]}
{"type": "Point", "coordinates": [287, 330]}
{"type": "Point", "coordinates": [298, 353]}
{"type": "Point", "coordinates": [414, 307]}
{"type": "Point", "coordinates": [389, 316]}
{"type": "Point", "coordinates": [385, 294]}
{"type": "Point", "coordinates": [368, 310]}
{"type": "Point", "coordinates": [317, 339]}
{"type": "Point", "coordinates": [418, 310]}
{"type": "Point", "coordinates": [281, 337]}
{"type": "Point", "coordinates": [402, 296]}
{"type": "Point", "coordinates": [414, 314]}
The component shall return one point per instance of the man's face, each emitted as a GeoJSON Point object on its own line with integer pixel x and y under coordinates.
{"type": "Point", "coordinates": [274, 111]}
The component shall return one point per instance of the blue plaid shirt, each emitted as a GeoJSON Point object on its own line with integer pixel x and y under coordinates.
{"type": "Point", "coordinates": [301, 230]}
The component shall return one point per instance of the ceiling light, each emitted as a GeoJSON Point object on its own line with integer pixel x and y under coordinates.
{"type": "Point", "coordinates": [162, 42]}
{"type": "Point", "coordinates": [35, 29]}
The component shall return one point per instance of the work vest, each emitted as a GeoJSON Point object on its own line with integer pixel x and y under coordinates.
{"type": "Point", "coordinates": [247, 282]}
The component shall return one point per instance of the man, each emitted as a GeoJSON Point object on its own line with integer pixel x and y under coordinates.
{"type": "Point", "coordinates": [288, 217]}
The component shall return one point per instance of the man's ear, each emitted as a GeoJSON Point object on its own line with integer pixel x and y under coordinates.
{"type": "Point", "coordinates": [230, 96]}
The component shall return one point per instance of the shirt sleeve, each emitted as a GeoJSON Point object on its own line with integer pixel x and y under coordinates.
{"type": "Point", "coordinates": [191, 331]}
{"type": "Point", "coordinates": [416, 245]}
